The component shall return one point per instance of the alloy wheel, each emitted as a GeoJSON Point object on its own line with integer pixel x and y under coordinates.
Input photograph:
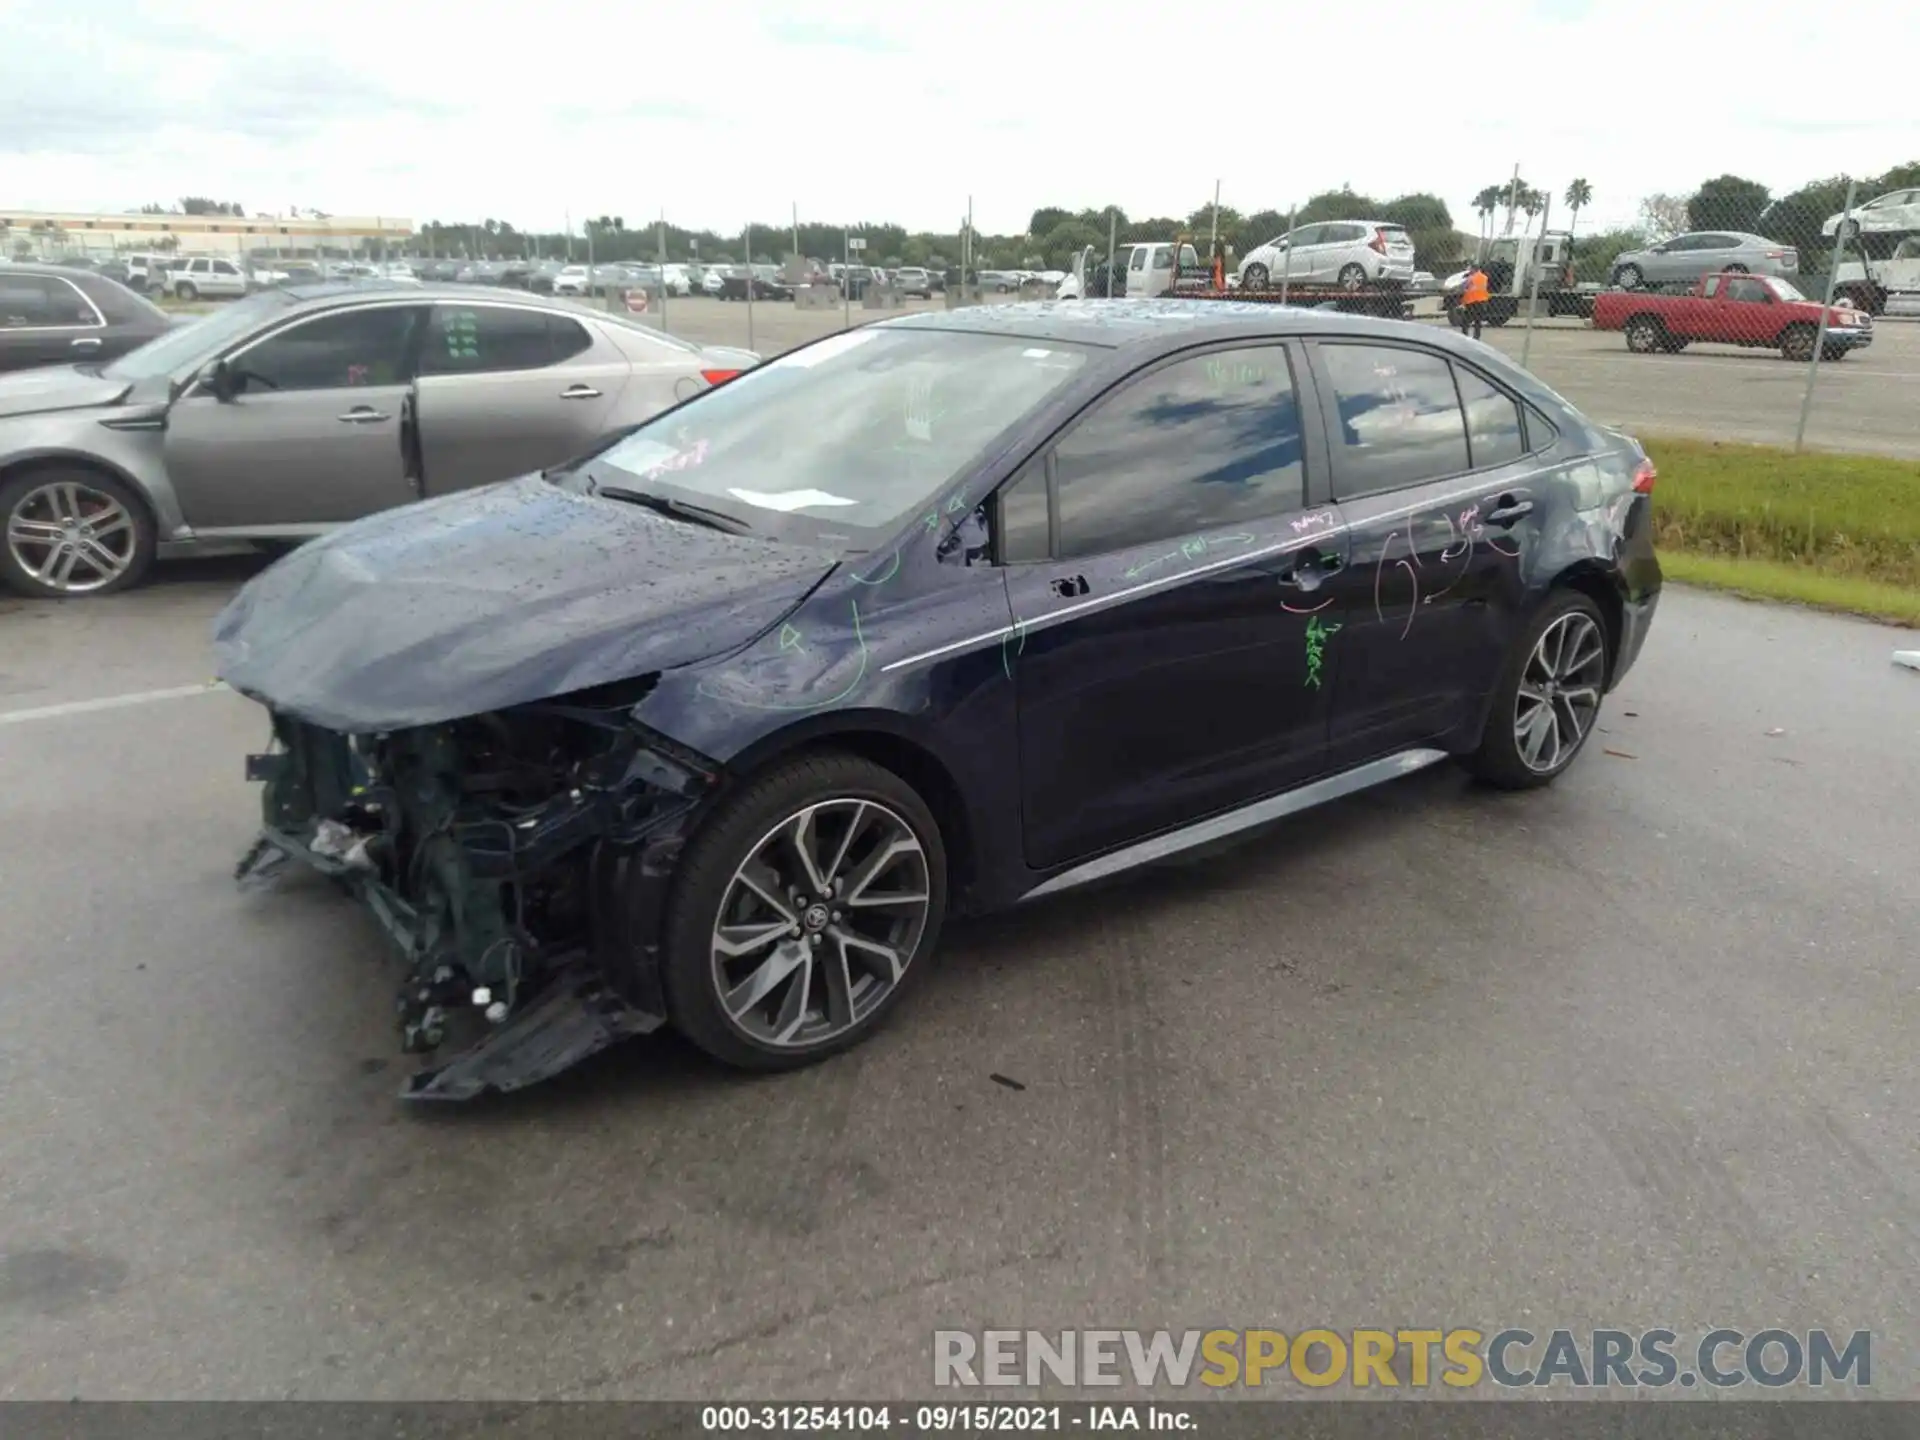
{"type": "Point", "coordinates": [71, 537]}
{"type": "Point", "coordinates": [1353, 278]}
{"type": "Point", "coordinates": [1255, 278]}
{"type": "Point", "coordinates": [1559, 692]}
{"type": "Point", "coordinates": [819, 923]}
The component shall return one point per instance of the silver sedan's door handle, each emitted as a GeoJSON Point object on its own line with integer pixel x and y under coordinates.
{"type": "Point", "coordinates": [87, 342]}
{"type": "Point", "coordinates": [364, 415]}
{"type": "Point", "coordinates": [580, 392]}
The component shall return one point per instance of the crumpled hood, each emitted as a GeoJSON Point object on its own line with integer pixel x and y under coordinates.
{"type": "Point", "coordinates": [56, 387]}
{"type": "Point", "coordinates": [496, 597]}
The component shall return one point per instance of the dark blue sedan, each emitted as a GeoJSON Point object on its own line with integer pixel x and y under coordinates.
{"type": "Point", "coordinates": [717, 726]}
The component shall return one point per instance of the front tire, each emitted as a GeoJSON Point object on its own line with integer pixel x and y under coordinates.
{"type": "Point", "coordinates": [1548, 696]}
{"type": "Point", "coordinates": [187, 291]}
{"type": "Point", "coordinates": [1646, 335]}
{"type": "Point", "coordinates": [1627, 277]}
{"type": "Point", "coordinates": [1254, 278]}
{"type": "Point", "coordinates": [70, 532]}
{"type": "Point", "coordinates": [1798, 342]}
{"type": "Point", "coordinates": [803, 909]}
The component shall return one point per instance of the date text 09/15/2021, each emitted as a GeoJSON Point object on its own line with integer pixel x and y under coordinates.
{"type": "Point", "coordinates": [910, 1419]}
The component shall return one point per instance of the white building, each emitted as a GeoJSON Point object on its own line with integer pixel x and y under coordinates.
{"type": "Point", "coordinates": [25, 233]}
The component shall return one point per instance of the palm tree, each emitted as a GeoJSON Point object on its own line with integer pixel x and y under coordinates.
{"type": "Point", "coordinates": [1484, 204]}
{"type": "Point", "coordinates": [1579, 195]}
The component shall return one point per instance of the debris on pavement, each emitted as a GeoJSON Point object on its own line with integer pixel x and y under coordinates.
{"type": "Point", "coordinates": [1620, 754]}
{"type": "Point", "coordinates": [1000, 1079]}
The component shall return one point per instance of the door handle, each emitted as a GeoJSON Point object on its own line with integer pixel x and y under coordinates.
{"type": "Point", "coordinates": [87, 342]}
{"type": "Point", "coordinates": [1508, 512]}
{"type": "Point", "coordinates": [579, 392]}
{"type": "Point", "coordinates": [1310, 567]}
{"type": "Point", "coordinates": [364, 415]}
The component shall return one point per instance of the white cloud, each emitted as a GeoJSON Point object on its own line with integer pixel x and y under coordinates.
{"type": "Point", "coordinates": [718, 115]}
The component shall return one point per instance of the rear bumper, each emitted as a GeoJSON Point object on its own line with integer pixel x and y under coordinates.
{"type": "Point", "coordinates": [1636, 618]}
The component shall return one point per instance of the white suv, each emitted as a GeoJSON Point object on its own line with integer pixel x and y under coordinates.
{"type": "Point", "coordinates": [191, 279]}
{"type": "Point", "coordinates": [1352, 254]}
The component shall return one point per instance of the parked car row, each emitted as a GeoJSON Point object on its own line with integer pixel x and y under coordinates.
{"type": "Point", "coordinates": [294, 410]}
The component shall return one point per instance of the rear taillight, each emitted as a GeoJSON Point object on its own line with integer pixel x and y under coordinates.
{"type": "Point", "coordinates": [1379, 242]}
{"type": "Point", "coordinates": [718, 377]}
{"type": "Point", "coordinates": [1643, 478]}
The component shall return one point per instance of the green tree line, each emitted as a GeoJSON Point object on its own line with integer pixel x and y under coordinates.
{"type": "Point", "coordinates": [1054, 233]}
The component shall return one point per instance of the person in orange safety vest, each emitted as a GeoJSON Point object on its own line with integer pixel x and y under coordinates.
{"type": "Point", "coordinates": [1473, 301]}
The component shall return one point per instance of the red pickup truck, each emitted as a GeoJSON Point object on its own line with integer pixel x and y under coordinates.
{"type": "Point", "coordinates": [1760, 311]}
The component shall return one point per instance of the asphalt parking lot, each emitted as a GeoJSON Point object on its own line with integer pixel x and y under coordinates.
{"type": "Point", "coordinates": [1634, 1051]}
{"type": "Point", "coordinates": [1863, 403]}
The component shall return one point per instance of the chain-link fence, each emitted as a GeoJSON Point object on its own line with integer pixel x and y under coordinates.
{"type": "Point", "coordinates": [1705, 314]}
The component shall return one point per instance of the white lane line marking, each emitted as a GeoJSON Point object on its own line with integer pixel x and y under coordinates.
{"type": "Point", "coordinates": [109, 702]}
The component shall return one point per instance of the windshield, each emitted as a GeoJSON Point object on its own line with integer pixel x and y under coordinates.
{"type": "Point", "coordinates": [853, 433]}
{"type": "Point", "coordinates": [189, 344]}
{"type": "Point", "coordinates": [1785, 289]}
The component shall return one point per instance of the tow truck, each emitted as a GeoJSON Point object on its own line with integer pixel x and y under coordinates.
{"type": "Point", "coordinates": [1510, 278]}
{"type": "Point", "coordinates": [1880, 286]}
{"type": "Point", "coordinates": [1149, 269]}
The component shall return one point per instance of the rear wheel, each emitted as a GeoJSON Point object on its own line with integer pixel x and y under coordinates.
{"type": "Point", "coordinates": [188, 290]}
{"type": "Point", "coordinates": [1736, 270]}
{"type": "Point", "coordinates": [1548, 697]}
{"type": "Point", "coordinates": [803, 909]}
{"type": "Point", "coordinates": [1352, 277]}
{"type": "Point", "coordinates": [1798, 341]}
{"type": "Point", "coordinates": [1645, 335]}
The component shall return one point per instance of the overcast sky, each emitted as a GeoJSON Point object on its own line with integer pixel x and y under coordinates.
{"type": "Point", "coordinates": [720, 114]}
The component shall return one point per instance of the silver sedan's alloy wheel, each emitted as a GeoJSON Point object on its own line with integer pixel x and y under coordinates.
{"type": "Point", "coordinates": [819, 923]}
{"type": "Point", "coordinates": [71, 537]}
{"type": "Point", "coordinates": [1559, 692]}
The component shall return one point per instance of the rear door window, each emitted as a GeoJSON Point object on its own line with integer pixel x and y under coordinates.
{"type": "Point", "coordinates": [485, 339]}
{"type": "Point", "coordinates": [1397, 418]}
{"type": "Point", "coordinates": [1493, 420]}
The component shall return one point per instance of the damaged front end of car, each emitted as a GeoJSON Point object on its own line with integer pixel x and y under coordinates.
{"type": "Point", "coordinates": [518, 860]}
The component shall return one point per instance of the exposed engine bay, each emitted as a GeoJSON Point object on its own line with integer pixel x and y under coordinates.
{"type": "Point", "coordinates": [518, 860]}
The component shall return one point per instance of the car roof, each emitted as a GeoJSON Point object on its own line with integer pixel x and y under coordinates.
{"type": "Point", "coordinates": [321, 294]}
{"type": "Point", "coordinates": [1155, 324]}
{"type": "Point", "coordinates": [40, 267]}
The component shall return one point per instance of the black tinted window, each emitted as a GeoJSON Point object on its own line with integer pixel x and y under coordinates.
{"type": "Point", "coordinates": [344, 350]}
{"type": "Point", "coordinates": [34, 300]}
{"type": "Point", "coordinates": [1202, 443]}
{"type": "Point", "coordinates": [1752, 291]}
{"type": "Point", "coordinates": [1493, 420]}
{"type": "Point", "coordinates": [1399, 420]}
{"type": "Point", "coordinates": [475, 339]}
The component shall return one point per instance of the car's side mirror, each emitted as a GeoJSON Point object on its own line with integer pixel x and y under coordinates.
{"type": "Point", "coordinates": [217, 380]}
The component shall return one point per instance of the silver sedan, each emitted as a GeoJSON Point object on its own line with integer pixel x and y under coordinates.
{"type": "Point", "coordinates": [286, 414]}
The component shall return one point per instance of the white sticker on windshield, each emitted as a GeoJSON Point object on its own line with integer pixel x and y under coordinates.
{"type": "Point", "coordinates": [788, 500]}
{"type": "Point", "coordinates": [825, 349]}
